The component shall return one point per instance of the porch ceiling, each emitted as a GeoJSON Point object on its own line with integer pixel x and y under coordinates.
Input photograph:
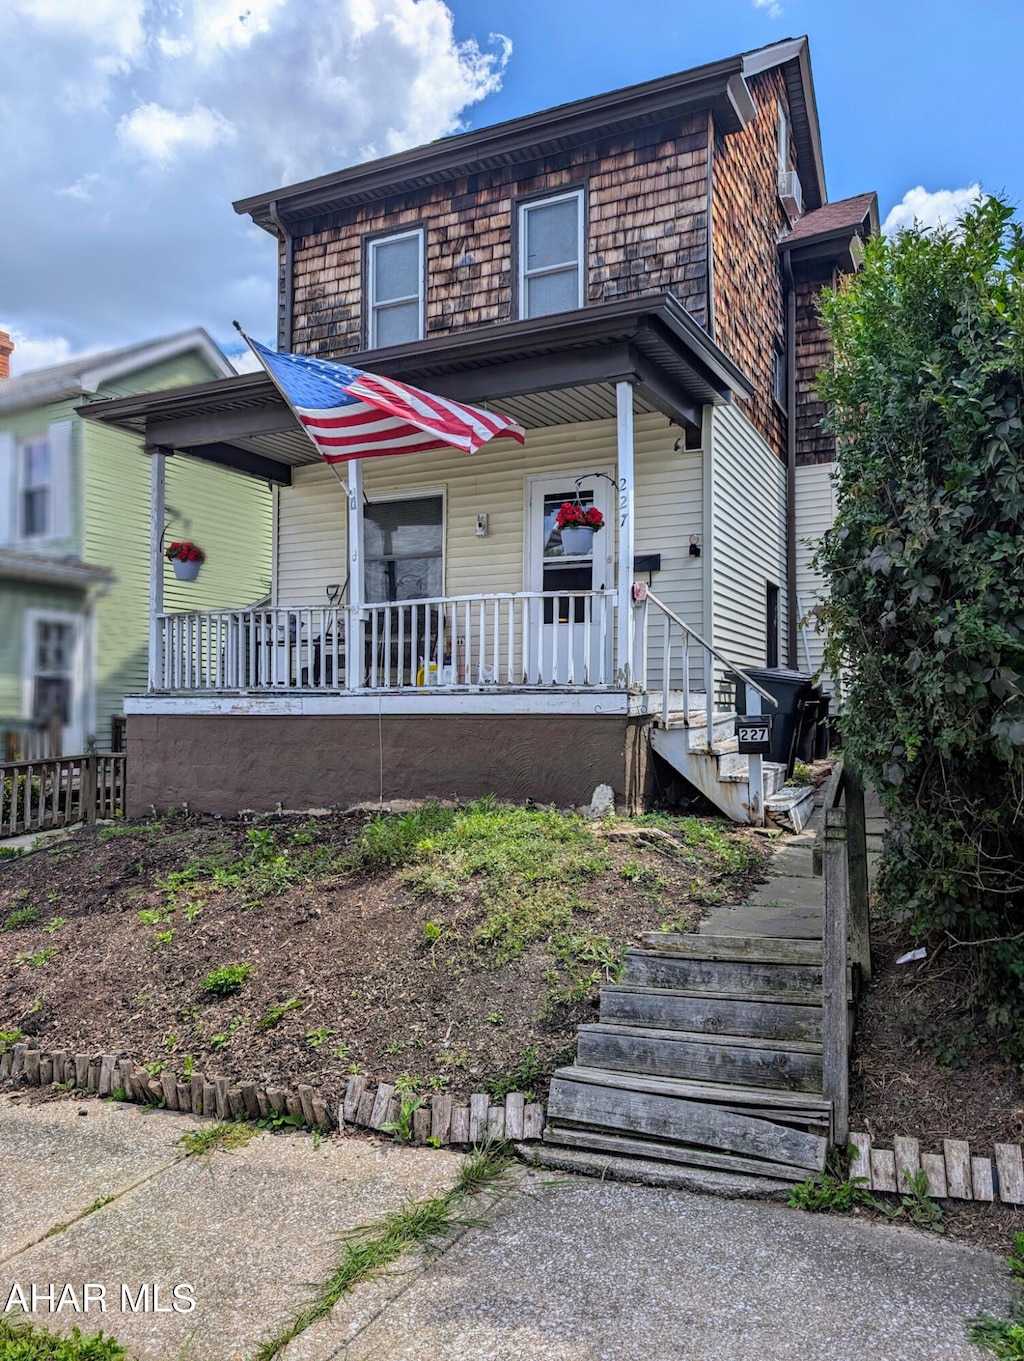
{"type": "Point", "coordinates": [551, 371]}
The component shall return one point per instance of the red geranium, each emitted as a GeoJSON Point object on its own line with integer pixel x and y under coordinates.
{"type": "Point", "coordinates": [184, 551]}
{"type": "Point", "coordinates": [574, 515]}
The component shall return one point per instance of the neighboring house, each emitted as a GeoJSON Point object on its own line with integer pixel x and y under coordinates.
{"type": "Point", "coordinates": [632, 278]}
{"type": "Point", "coordinates": [74, 535]}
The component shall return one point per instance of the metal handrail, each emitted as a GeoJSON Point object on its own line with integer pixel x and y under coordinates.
{"type": "Point", "coordinates": [712, 650]}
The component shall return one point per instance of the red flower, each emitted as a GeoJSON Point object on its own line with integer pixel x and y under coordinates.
{"type": "Point", "coordinates": [574, 515]}
{"type": "Point", "coordinates": [184, 551]}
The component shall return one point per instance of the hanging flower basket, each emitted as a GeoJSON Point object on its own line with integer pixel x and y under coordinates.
{"type": "Point", "coordinates": [578, 525]}
{"type": "Point", "coordinates": [186, 559]}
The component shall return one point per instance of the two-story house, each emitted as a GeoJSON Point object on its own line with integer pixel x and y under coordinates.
{"type": "Point", "coordinates": [632, 278]}
{"type": "Point", "coordinates": [75, 540]}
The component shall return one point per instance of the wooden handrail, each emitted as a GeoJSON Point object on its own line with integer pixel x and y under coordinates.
{"type": "Point", "coordinates": [846, 931]}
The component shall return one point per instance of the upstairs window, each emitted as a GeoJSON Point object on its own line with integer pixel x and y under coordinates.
{"type": "Point", "coordinates": [551, 255]}
{"type": "Point", "coordinates": [782, 151]}
{"type": "Point", "coordinates": [36, 489]}
{"type": "Point", "coordinates": [395, 270]}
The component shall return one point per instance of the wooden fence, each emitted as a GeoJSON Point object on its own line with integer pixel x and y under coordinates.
{"type": "Point", "coordinates": [846, 944]}
{"type": "Point", "coordinates": [28, 741]}
{"type": "Point", "coordinates": [38, 795]}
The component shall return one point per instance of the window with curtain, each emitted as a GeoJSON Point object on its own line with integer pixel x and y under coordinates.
{"type": "Point", "coordinates": [395, 278]}
{"type": "Point", "coordinates": [403, 542]}
{"type": "Point", "coordinates": [551, 255]}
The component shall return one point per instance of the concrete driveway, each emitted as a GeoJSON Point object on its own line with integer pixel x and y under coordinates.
{"type": "Point", "coordinates": [561, 1268]}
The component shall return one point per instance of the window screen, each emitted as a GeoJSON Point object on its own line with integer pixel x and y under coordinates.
{"type": "Point", "coordinates": [550, 256]}
{"type": "Point", "coordinates": [396, 289]}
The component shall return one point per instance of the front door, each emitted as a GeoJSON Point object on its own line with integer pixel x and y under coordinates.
{"type": "Point", "coordinates": [53, 672]}
{"type": "Point", "coordinates": [569, 634]}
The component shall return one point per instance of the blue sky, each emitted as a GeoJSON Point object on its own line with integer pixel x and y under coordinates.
{"type": "Point", "coordinates": [130, 125]}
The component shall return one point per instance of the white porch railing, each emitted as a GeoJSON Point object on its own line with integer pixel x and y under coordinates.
{"type": "Point", "coordinates": [530, 638]}
{"type": "Point", "coordinates": [682, 655]}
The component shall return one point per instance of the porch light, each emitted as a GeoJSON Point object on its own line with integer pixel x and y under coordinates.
{"type": "Point", "coordinates": [694, 545]}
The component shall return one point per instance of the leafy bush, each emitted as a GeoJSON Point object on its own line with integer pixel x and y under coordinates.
{"type": "Point", "coordinates": [926, 616]}
{"type": "Point", "coordinates": [226, 981]}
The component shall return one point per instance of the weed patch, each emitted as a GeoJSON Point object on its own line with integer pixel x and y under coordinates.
{"type": "Point", "coordinates": [1004, 1337]}
{"type": "Point", "coordinates": [226, 981]}
{"type": "Point", "coordinates": [21, 916]}
{"type": "Point", "coordinates": [223, 1135]}
{"type": "Point", "coordinates": [29, 1342]}
{"type": "Point", "coordinates": [369, 1250]}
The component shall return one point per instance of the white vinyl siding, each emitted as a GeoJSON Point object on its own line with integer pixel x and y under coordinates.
{"type": "Point", "coordinates": [815, 512]}
{"type": "Point", "coordinates": [749, 538]}
{"type": "Point", "coordinates": [311, 552]}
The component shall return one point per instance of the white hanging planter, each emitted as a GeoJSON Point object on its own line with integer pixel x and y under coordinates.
{"type": "Point", "coordinates": [186, 571]}
{"type": "Point", "coordinates": [578, 539]}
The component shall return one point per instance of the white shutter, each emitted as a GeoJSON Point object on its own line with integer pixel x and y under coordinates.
{"type": "Point", "coordinates": [60, 480]}
{"type": "Point", "coordinates": [8, 491]}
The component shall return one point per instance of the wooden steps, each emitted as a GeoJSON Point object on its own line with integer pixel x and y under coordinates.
{"type": "Point", "coordinates": [707, 1053]}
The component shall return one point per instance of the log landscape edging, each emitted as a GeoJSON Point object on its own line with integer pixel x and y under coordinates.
{"type": "Point", "coordinates": [953, 1174]}
{"type": "Point", "coordinates": [366, 1104]}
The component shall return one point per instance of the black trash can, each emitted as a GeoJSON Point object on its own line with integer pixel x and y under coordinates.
{"type": "Point", "coordinates": [793, 690]}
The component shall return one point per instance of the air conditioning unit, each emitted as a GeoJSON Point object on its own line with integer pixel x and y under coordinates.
{"type": "Point", "coordinates": [791, 194]}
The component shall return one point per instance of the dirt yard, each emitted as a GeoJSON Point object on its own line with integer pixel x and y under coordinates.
{"type": "Point", "coordinates": [452, 949]}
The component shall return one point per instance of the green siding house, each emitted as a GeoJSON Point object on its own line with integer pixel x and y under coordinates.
{"type": "Point", "coordinates": [75, 535]}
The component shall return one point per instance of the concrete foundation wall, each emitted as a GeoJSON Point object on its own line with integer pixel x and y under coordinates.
{"type": "Point", "coordinates": [224, 763]}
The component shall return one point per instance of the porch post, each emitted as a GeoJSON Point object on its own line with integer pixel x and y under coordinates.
{"type": "Point", "coordinates": [356, 588]}
{"type": "Point", "coordinates": [625, 511]}
{"type": "Point", "coordinates": [157, 483]}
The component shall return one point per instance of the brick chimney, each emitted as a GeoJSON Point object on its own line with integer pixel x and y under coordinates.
{"type": "Point", "coordinates": [6, 347]}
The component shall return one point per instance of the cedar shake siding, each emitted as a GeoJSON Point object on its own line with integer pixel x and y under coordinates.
{"type": "Point", "coordinates": [813, 353]}
{"type": "Point", "coordinates": [747, 222]}
{"type": "Point", "coordinates": [646, 232]}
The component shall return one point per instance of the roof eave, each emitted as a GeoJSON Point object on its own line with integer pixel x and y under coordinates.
{"type": "Point", "coordinates": [719, 84]}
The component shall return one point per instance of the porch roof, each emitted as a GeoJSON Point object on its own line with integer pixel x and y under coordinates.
{"type": "Point", "coordinates": [548, 371]}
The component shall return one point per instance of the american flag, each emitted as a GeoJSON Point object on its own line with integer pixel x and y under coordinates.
{"type": "Point", "coordinates": [349, 413]}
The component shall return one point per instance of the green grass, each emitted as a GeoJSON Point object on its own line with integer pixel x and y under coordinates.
{"type": "Point", "coordinates": [531, 868]}
{"type": "Point", "coordinates": [224, 1135]}
{"type": "Point", "coordinates": [370, 1249]}
{"type": "Point", "coordinates": [29, 1342]}
{"type": "Point", "coordinates": [21, 916]}
{"type": "Point", "coordinates": [226, 981]}
{"type": "Point", "coordinates": [387, 843]}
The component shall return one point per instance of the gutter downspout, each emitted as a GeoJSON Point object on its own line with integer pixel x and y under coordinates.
{"type": "Point", "coordinates": [792, 608]}
{"type": "Point", "coordinates": [284, 339]}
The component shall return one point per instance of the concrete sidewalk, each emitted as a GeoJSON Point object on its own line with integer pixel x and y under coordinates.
{"type": "Point", "coordinates": [559, 1269]}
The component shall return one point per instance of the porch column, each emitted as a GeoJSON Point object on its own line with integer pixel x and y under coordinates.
{"type": "Point", "coordinates": [157, 483]}
{"type": "Point", "coordinates": [625, 511]}
{"type": "Point", "coordinates": [356, 590]}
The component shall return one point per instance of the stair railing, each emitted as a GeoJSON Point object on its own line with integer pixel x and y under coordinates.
{"type": "Point", "coordinates": [846, 932]}
{"type": "Point", "coordinates": [643, 597]}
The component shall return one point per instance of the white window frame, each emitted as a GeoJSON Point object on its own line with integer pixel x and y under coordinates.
{"type": "Point", "coordinates": [374, 245]}
{"type": "Point", "coordinates": [77, 707]}
{"type": "Point", "coordinates": [22, 485]}
{"type": "Point", "coordinates": [782, 143]}
{"type": "Point", "coordinates": [525, 208]}
{"type": "Point", "coordinates": [411, 494]}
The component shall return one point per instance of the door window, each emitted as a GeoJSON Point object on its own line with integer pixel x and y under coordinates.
{"type": "Point", "coordinates": [561, 571]}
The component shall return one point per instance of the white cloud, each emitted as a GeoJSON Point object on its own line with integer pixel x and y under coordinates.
{"type": "Point", "coordinates": [244, 361]}
{"type": "Point", "coordinates": [33, 353]}
{"type": "Point", "coordinates": [928, 210]}
{"type": "Point", "coordinates": [214, 100]}
{"type": "Point", "coordinates": [773, 7]}
{"type": "Point", "coordinates": [154, 133]}
{"type": "Point", "coordinates": [82, 189]}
